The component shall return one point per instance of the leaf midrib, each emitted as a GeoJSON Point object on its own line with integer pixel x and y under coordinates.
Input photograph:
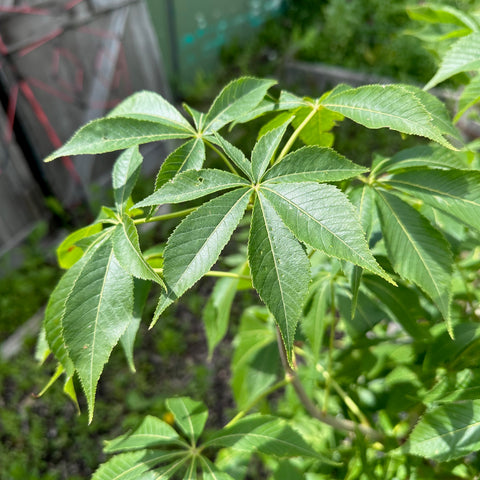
{"type": "Point", "coordinates": [367, 260]}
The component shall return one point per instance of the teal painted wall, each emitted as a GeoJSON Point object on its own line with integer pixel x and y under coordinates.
{"type": "Point", "coordinates": [192, 33]}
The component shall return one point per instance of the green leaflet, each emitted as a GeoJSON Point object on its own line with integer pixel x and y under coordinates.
{"type": "Point", "coordinates": [461, 57]}
{"type": "Point", "coordinates": [264, 150]}
{"type": "Point", "coordinates": [469, 97]}
{"type": "Point", "coordinates": [141, 288]}
{"type": "Point", "coordinates": [126, 247]}
{"type": "Point", "coordinates": [237, 98]}
{"type": "Point", "coordinates": [97, 313]}
{"type": "Point", "coordinates": [393, 106]}
{"type": "Point", "coordinates": [263, 433]}
{"type": "Point", "coordinates": [438, 110]}
{"type": "Point", "coordinates": [55, 311]}
{"type": "Point", "coordinates": [455, 192]}
{"type": "Point", "coordinates": [189, 156]}
{"type": "Point", "coordinates": [124, 176]}
{"type": "Point", "coordinates": [313, 163]}
{"type": "Point", "coordinates": [424, 156]}
{"type": "Point", "coordinates": [151, 432]}
{"type": "Point", "coordinates": [193, 184]}
{"type": "Point", "coordinates": [190, 416]}
{"type": "Point", "coordinates": [432, 13]}
{"type": "Point", "coordinates": [197, 116]}
{"type": "Point", "coordinates": [135, 465]}
{"type": "Point", "coordinates": [446, 432]}
{"type": "Point", "coordinates": [152, 107]}
{"type": "Point", "coordinates": [255, 364]}
{"type": "Point", "coordinates": [235, 154]}
{"type": "Point", "coordinates": [454, 387]}
{"type": "Point", "coordinates": [211, 472]}
{"type": "Point", "coordinates": [317, 130]}
{"type": "Point", "coordinates": [321, 216]}
{"type": "Point", "coordinates": [196, 243]}
{"type": "Point", "coordinates": [418, 252]}
{"type": "Point", "coordinates": [68, 252]}
{"type": "Point", "coordinates": [280, 269]}
{"type": "Point", "coordinates": [116, 133]}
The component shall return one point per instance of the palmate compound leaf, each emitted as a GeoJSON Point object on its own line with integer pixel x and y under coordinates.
{"type": "Point", "coordinates": [418, 252]}
{"type": "Point", "coordinates": [447, 432]}
{"type": "Point", "coordinates": [191, 185]}
{"type": "Point", "coordinates": [313, 163]}
{"type": "Point", "coordinates": [237, 98]}
{"type": "Point", "coordinates": [462, 56]}
{"type": "Point", "coordinates": [280, 269]}
{"type": "Point", "coordinates": [321, 216]}
{"type": "Point", "coordinates": [196, 243]}
{"type": "Point", "coordinates": [392, 106]}
{"type": "Point", "coordinates": [455, 192]}
{"type": "Point", "coordinates": [98, 310]}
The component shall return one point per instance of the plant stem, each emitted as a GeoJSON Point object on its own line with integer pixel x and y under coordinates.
{"type": "Point", "coordinates": [222, 156]}
{"type": "Point", "coordinates": [328, 377]}
{"type": "Point", "coordinates": [344, 396]}
{"type": "Point", "coordinates": [217, 273]}
{"type": "Point", "coordinates": [273, 388]}
{"type": "Point", "coordinates": [166, 216]}
{"type": "Point", "coordinates": [337, 423]}
{"type": "Point", "coordinates": [295, 135]}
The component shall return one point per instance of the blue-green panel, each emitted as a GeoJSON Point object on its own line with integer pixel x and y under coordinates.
{"type": "Point", "coordinates": [192, 32]}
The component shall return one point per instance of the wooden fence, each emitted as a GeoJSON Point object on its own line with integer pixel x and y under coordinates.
{"type": "Point", "coordinates": [63, 63]}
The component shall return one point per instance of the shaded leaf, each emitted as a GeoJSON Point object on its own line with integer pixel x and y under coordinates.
{"type": "Point", "coordinates": [236, 155]}
{"type": "Point", "coordinates": [312, 164]}
{"type": "Point", "coordinates": [265, 434]}
{"type": "Point", "coordinates": [446, 432]}
{"type": "Point", "coordinates": [255, 362]}
{"type": "Point", "coordinates": [455, 386]}
{"type": "Point", "coordinates": [455, 192]}
{"type": "Point", "coordinates": [469, 97]}
{"type": "Point", "coordinates": [462, 56]}
{"type": "Point", "coordinates": [280, 268]}
{"type": "Point", "coordinates": [264, 150]}
{"type": "Point", "coordinates": [193, 184]}
{"type": "Point", "coordinates": [68, 252]}
{"type": "Point", "coordinates": [424, 156]}
{"type": "Point", "coordinates": [189, 156]}
{"type": "Point", "coordinates": [150, 433]}
{"type": "Point", "coordinates": [436, 13]}
{"type": "Point", "coordinates": [134, 465]}
{"type": "Point", "coordinates": [418, 252]}
{"type": "Point", "coordinates": [322, 216]}
{"type": "Point", "coordinates": [211, 472]}
{"type": "Point", "coordinates": [141, 288]}
{"type": "Point", "coordinates": [317, 130]}
{"type": "Point", "coordinates": [237, 98]}
{"type": "Point", "coordinates": [196, 243]}
{"type": "Point", "coordinates": [97, 312]}
{"type": "Point", "coordinates": [126, 247]}
{"type": "Point", "coordinates": [190, 415]}
{"type": "Point", "coordinates": [124, 176]}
